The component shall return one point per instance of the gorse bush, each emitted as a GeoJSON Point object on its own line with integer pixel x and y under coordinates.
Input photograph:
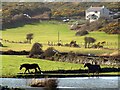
{"type": "Point", "coordinates": [111, 28]}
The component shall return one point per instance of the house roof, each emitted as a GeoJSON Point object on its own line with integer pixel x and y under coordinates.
{"type": "Point", "coordinates": [94, 9]}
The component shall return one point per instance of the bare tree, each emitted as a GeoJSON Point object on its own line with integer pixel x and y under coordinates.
{"type": "Point", "coordinates": [29, 37]}
{"type": "Point", "coordinates": [88, 41]}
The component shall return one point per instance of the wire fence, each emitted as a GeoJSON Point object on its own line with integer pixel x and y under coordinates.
{"type": "Point", "coordinates": [111, 45]}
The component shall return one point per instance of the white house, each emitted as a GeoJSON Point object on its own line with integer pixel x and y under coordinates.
{"type": "Point", "coordinates": [94, 13]}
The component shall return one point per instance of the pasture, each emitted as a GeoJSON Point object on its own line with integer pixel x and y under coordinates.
{"type": "Point", "coordinates": [48, 31]}
{"type": "Point", "coordinates": [11, 64]}
{"type": "Point", "coordinates": [44, 32]}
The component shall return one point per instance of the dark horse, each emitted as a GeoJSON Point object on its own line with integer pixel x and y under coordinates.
{"type": "Point", "coordinates": [93, 68]}
{"type": "Point", "coordinates": [30, 66]}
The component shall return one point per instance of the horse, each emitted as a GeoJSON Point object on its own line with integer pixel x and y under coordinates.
{"type": "Point", "coordinates": [93, 68]}
{"type": "Point", "coordinates": [30, 66]}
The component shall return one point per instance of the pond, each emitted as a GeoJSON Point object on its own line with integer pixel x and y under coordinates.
{"type": "Point", "coordinates": [71, 83]}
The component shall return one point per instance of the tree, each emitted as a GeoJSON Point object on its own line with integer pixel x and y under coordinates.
{"type": "Point", "coordinates": [88, 41]}
{"type": "Point", "coordinates": [29, 37]}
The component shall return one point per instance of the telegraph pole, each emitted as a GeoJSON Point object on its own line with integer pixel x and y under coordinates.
{"type": "Point", "coordinates": [58, 36]}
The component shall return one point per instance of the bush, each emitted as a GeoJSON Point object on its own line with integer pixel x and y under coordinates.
{"type": "Point", "coordinates": [36, 49]}
{"type": "Point", "coordinates": [49, 52]}
{"type": "Point", "coordinates": [81, 33]}
{"type": "Point", "coordinates": [111, 28]}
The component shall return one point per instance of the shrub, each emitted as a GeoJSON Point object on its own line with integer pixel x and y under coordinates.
{"type": "Point", "coordinates": [49, 52]}
{"type": "Point", "coordinates": [36, 49]}
{"type": "Point", "coordinates": [111, 28]}
{"type": "Point", "coordinates": [81, 33]}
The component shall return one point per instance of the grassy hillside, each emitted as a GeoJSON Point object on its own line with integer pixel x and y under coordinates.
{"type": "Point", "coordinates": [53, 9]}
{"type": "Point", "coordinates": [48, 31]}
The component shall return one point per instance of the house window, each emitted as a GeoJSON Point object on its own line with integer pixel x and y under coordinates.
{"type": "Point", "coordinates": [94, 16]}
{"type": "Point", "coordinates": [96, 11]}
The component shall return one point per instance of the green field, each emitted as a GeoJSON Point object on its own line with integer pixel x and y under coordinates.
{"type": "Point", "coordinates": [48, 31]}
{"type": "Point", "coordinates": [10, 65]}
{"type": "Point", "coordinates": [44, 32]}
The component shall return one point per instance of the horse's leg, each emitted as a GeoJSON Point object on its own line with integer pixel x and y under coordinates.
{"type": "Point", "coordinates": [93, 73]}
{"type": "Point", "coordinates": [35, 70]}
{"type": "Point", "coordinates": [28, 71]}
{"type": "Point", "coordinates": [39, 69]}
{"type": "Point", "coordinates": [25, 71]}
{"type": "Point", "coordinates": [88, 73]}
{"type": "Point", "coordinates": [97, 73]}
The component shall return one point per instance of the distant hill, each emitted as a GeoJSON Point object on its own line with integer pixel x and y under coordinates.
{"type": "Point", "coordinates": [48, 9]}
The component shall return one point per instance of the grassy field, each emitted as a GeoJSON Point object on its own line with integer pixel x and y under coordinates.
{"type": "Point", "coordinates": [44, 32]}
{"type": "Point", "coordinates": [48, 31]}
{"type": "Point", "coordinates": [10, 65]}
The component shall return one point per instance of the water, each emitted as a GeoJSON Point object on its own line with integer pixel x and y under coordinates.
{"type": "Point", "coordinates": [81, 82]}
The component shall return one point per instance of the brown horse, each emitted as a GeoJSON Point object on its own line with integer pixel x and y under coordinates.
{"type": "Point", "coordinates": [93, 68]}
{"type": "Point", "coordinates": [30, 66]}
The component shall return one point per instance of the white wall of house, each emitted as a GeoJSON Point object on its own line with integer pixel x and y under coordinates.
{"type": "Point", "coordinates": [96, 12]}
{"type": "Point", "coordinates": [91, 13]}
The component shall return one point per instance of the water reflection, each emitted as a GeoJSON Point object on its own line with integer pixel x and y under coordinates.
{"type": "Point", "coordinates": [81, 82]}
